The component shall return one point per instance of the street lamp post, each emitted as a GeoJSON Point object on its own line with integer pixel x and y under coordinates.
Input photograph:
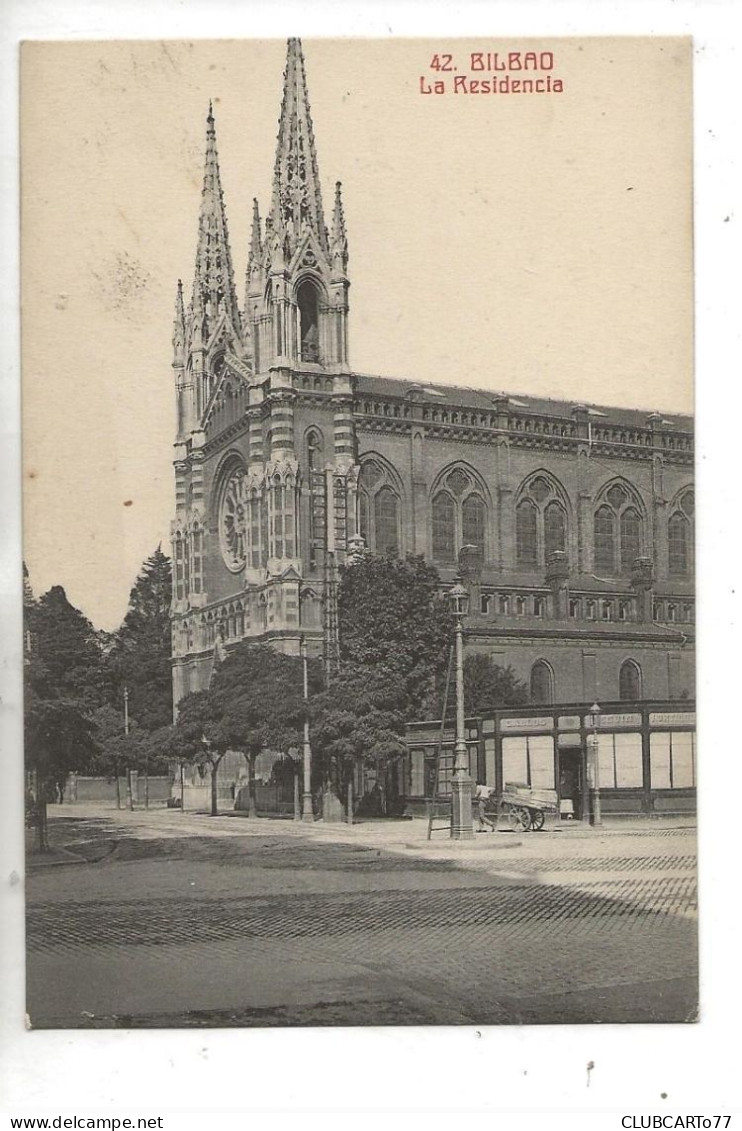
{"type": "Point", "coordinates": [307, 813]}
{"type": "Point", "coordinates": [594, 767]}
{"type": "Point", "coordinates": [129, 792]}
{"type": "Point", "coordinates": [461, 783]}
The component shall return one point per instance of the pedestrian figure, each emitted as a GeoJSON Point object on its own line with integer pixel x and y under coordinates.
{"type": "Point", "coordinates": [482, 795]}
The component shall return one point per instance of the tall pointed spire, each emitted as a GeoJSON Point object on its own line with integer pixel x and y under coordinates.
{"type": "Point", "coordinates": [297, 199]}
{"type": "Point", "coordinates": [339, 238]}
{"type": "Point", "coordinates": [213, 284]}
{"type": "Point", "coordinates": [179, 327]}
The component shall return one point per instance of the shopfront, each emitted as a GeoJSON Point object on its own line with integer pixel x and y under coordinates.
{"type": "Point", "coordinates": [642, 756]}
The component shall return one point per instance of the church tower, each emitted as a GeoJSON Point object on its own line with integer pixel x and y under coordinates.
{"type": "Point", "coordinates": [265, 460]}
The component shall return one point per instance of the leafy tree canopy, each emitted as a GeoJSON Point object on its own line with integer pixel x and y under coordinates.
{"type": "Point", "coordinates": [357, 719]}
{"type": "Point", "coordinates": [65, 659]}
{"type": "Point", "coordinates": [393, 618]}
{"type": "Point", "coordinates": [488, 685]}
{"type": "Point", "coordinates": [138, 656]}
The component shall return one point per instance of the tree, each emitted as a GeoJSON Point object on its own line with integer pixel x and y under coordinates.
{"type": "Point", "coordinates": [259, 696]}
{"type": "Point", "coordinates": [488, 685]}
{"type": "Point", "coordinates": [394, 619]}
{"type": "Point", "coordinates": [255, 702]}
{"type": "Point", "coordinates": [198, 737]}
{"type": "Point", "coordinates": [61, 686]}
{"type": "Point", "coordinates": [66, 654]}
{"type": "Point", "coordinates": [357, 720]}
{"type": "Point", "coordinates": [139, 656]}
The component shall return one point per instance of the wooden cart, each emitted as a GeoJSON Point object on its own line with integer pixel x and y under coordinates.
{"type": "Point", "coordinates": [524, 808]}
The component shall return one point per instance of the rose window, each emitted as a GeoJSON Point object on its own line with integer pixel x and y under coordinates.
{"type": "Point", "coordinates": [232, 524]}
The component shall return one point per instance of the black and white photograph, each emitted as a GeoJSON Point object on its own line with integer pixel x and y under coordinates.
{"type": "Point", "coordinates": [359, 533]}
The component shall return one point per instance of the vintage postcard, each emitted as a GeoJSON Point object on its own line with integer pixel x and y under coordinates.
{"type": "Point", "coordinates": [359, 532]}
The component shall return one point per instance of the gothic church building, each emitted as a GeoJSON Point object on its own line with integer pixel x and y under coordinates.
{"type": "Point", "coordinates": [285, 458]}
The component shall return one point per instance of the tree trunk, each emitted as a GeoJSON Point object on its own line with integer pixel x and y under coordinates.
{"type": "Point", "coordinates": [42, 839]}
{"type": "Point", "coordinates": [297, 795]}
{"type": "Point", "coordinates": [350, 799]}
{"type": "Point", "coordinates": [214, 804]}
{"type": "Point", "coordinates": [118, 784]}
{"type": "Point", "coordinates": [252, 808]}
{"type": "Point", "coordinates": [146, 784]}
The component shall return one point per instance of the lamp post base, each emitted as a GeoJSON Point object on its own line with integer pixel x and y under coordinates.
{"type": "Point", "coordinates": [595, 816]}
{"type": "Point", "coordinates": [307, 812]}
{"type": "Point", "coordinates": [462, 825]}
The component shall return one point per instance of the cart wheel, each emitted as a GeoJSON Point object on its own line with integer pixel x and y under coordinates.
{"type": "Point", "coordinates": [537, 819]}
{"type": "Point", "coordinates": [520, 819]}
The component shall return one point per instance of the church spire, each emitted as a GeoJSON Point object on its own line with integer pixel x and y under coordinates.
{"type": "Point", "coordinates": [297, 200]}
{"type": "Point", "coordinates": [213, 284]}
{"type": "Point", "coordinates": [179, 328]}
{"type": "Point", "coordinates": [339, 239]}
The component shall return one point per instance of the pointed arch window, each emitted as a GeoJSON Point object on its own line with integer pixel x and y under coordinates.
{"type": "Point", "coordinates": [307, 300]}
{"type": "Point", "coordinates": [379, 509]}
{"type": "Point", "coordinates": [317, 492]}
{"type": "Point", "coordinates": [526, 533]}
{"type": "Point", "coordinates": [386, 519]}
{"type": "Point", "coordinates": [254, 528]}
{"type": "Point", "coordinates": [618, 532]}
{"type": "Point", "coordinates": [540, 522]}
{"type": "Point", "coordinates": [604, 538]}
{"type": "Point", "coordinates": [542, 683]}
{"type": "Point", "coordinates": [678, 544]}
{"type": "Point", "coordinates": [444, 528]}
{"type": "Point", "coordinates": [555, 529]}
{"type": "Point", "coordinates": [178, 548]}
{"type": "Point", "coordinates": [472, 522]}
{"type": "Point", "coordinates": [680, 537]}
{"type": "Point", "coordinates": [630, 681]}
{"type": "Point", "coordinates": [459, 515]}
{"type": "Point", "coordinates": [631, 539]}
{"type": "Point", "coordinates": [197, 558]}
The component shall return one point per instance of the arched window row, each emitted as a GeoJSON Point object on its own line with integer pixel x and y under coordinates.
{"type": "Point", "coordinates": [459, 516]}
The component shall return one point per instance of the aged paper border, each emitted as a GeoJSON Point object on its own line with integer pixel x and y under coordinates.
{"type": "Point", "coordinates": [501, 1070]}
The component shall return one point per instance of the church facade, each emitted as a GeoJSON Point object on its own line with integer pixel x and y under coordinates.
{"type": "Point", "coordinates": [582, 516]}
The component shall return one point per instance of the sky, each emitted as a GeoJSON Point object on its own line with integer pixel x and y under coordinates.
{"type": "Point", "coordinates": [528, 243]}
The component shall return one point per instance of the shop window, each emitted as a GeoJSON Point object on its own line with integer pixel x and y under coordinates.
{"type": "Point", "coordinates": [529, 759]}
{"type": "Point", "coordinates": [672, 759]}
{"type": "Point", "coordinates": [620, 761]}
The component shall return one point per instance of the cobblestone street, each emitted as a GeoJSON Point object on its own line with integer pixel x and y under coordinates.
{"type": "Point", "coordinates": [166, 919]}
